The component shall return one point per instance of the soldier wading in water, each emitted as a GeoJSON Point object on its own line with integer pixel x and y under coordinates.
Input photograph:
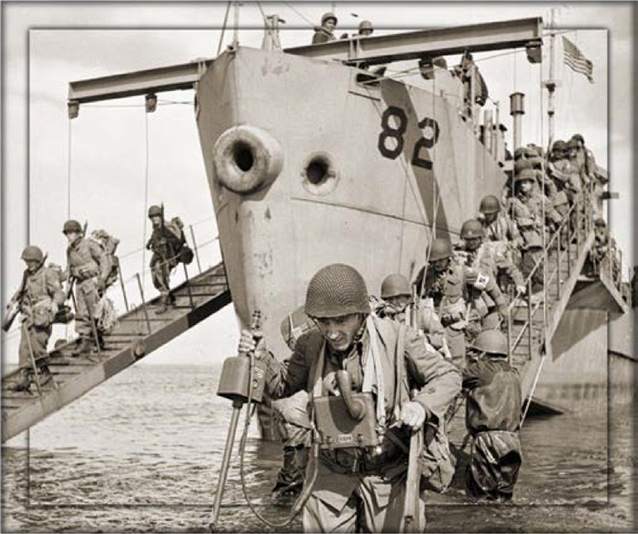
{"type": "Point", "coordinates": [360, 488]}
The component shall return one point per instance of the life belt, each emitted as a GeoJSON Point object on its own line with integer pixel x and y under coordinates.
{"type": "Point", "coordinates": [247, 158]}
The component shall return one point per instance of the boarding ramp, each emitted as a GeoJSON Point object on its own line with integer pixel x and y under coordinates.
{"type": "Point", "coordinates": [533, 319]}
{"type": "Point", "coordinates": [139, 332]}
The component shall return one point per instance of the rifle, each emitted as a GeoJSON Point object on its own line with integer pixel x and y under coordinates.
{"type": "Point", "coordinates": [14, 304]}
{"type": "Point", "coordinates": [13, 307]}
{"type": "Point", "coordinates": [411, 517]}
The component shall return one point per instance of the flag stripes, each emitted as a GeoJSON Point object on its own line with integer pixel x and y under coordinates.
{"type": "Point", "coordinates": [576, 61]}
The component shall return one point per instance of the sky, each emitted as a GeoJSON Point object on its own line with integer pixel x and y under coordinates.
{"type": "Point", "coordinates": [113, 161]}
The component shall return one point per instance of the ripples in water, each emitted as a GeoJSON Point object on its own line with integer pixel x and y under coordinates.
{"type": "Point", "coordinates": [142, 454]}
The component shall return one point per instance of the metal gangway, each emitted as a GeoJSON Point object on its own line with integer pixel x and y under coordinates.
{"type": "Point", "coordinates": [138, 332]}
{"type": "Point", "coordinates": [532, 321]}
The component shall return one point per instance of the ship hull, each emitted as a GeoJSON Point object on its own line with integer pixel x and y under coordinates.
{"type": "Point", "coordinates": [402, 166]}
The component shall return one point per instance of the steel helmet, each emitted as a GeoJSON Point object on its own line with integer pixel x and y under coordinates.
{"type": "Point", "coordinates": [32, 253]}
{"type": "Point", "coordinates": [72, 226]}
{"type": "Point", "coordinates": [365, 25]}
{"type": "Point", "coordinates": [327, 16]}
{"type": "Point", "coordinates": [533, 240]}
{"type": "Point", "coordinates": [491, 342]}
{"type": "Point", "coordinates": [533, 151]}
{"type": "Point", "coordinates": [154, 211]}
{"type": "Point", "coordinates": [472, 229]}
{"type": "Point", "coordinates": [579, 138]}
{"type": "Point", "coordinates": [559, 145]}
{"type": "Point", "coordinates": [440, 249]}
{"type": "Point", "coordinates": [525, 174]}
{"type": "Point", "coordinates": [490, 204]}
{"type": "Point", "coordinates": [573, 143]}
{"type": "Point", "coordinates": [520, 152]}
{"type": "Point", "coordinates": [521, 164]}
{"type": "Point", "coordinates": [395, 285]}
{"type": "Point", "coordinates": [600, 222]}
{"type": "Point", "coordinates": [336, 290]}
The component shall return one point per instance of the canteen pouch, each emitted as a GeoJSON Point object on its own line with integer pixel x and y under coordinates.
{"type": "Point", "coordinates": [338, 429]}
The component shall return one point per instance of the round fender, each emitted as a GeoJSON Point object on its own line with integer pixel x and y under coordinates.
{"type": "Point", "coordinates": [247, 158]}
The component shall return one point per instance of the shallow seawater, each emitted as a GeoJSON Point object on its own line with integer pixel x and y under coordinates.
{"type": "Point", "coordinates": [142, 453]}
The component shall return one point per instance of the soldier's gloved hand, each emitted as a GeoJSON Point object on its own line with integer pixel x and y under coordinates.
{"type": "Point", "coordinates": [413, 414]}
{"type": "Point", "coordinates": [248, 344]}
{"type": "Point", "coordinates": [521, 289]}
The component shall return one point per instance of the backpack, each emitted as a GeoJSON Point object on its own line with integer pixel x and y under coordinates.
{"type": "Point", "coordinates": [184, 253]}
{"type": "Point", "coordinates": [109, 244]}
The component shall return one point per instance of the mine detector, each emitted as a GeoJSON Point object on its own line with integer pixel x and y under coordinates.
{"type": "Point", "coordinates": [312, 157]}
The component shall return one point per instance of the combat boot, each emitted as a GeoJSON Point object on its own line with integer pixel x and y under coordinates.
{"type": "Point", "coordinates": [163, 305]}
{"type": "Point", "coordinates": [84, 347]}
{"type": "Point", "coordinates": [23, 384]}
{"type": "Point", "coordinates": [290, 478]}
{"type": "Point", "coordinates": [45, 377]}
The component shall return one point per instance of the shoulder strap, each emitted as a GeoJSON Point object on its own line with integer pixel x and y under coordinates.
{"type": "Point", "coordinates": [399, 360]}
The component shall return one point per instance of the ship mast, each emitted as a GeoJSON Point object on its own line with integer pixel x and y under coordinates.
{"type": "Point", "coordinates": [551, 84]}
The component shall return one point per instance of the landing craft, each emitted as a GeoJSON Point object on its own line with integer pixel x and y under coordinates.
{"type": "Point", "coordinates": [313, 159]}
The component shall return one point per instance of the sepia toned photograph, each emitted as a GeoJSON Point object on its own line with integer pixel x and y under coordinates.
{"type": "Point", "coordinates": [358, 266]}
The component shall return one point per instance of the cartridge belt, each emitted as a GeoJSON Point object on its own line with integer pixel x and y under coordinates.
{"type": "Point", "coordinates": [84, 272]}
{"type": "Point", "coordinates": [363, 461]}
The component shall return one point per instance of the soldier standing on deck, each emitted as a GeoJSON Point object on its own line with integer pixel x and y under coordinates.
{"type": "Point", "coordinates": [360, 488]}
{"type": "Point", "coordinates": [88, 266]}
{"type": "Point", "coordinates": [38, 299]}
{"type": "Point", "coordinates": [166, 245]}
{"type": "Point", "coordinates": [324, 33]}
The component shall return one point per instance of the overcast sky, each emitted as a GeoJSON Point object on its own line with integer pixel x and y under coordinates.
{"type": "Point", "coordinates": [103, 154]}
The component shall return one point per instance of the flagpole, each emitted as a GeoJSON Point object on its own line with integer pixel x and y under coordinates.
{"type": "Point", "coordinates": [550, 84]}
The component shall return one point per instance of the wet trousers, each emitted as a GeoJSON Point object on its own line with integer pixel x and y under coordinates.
{"type": "Point", "coordinates": [355, 502]}
{"type": "Point", "coordinates": [86, 302]}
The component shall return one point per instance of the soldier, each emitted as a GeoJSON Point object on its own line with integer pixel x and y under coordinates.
{"type": "Point", "coordinates": [489, 258]}
{"type": "Point", "coordinates": [37, 299]}
{"type": "Point", "coordinates": [601, 252]}
{"type": "Point", "coordinates": [291, 414]}
{"type": "Point", "coordinates": [89, 268]}
{"type": "Point", "coordinates": [497, 226]}
{"type": "Point", "coordinates": [493, 413]}
{"type": "Point", "coordinates": [354, 351]}
{"type": "Point", "coordinates": [529, 222]}
{"type": "Point", "coordinates": [365, 28]}
{"type": "Point", "coordinates": [399, 306]}
{"type": "Point", "coordinates": [324, 33]}
{"type": "Point", "coordinates": [457, 294]}
{"type": "Point", "coordinates": [166, 245]}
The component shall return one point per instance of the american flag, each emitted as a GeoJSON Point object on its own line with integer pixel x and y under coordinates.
{"type": "Point", "coordinates": [576, 61]}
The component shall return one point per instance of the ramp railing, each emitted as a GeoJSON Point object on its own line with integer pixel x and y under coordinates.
{"type": "Point", "coordinates": [120, 292]}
